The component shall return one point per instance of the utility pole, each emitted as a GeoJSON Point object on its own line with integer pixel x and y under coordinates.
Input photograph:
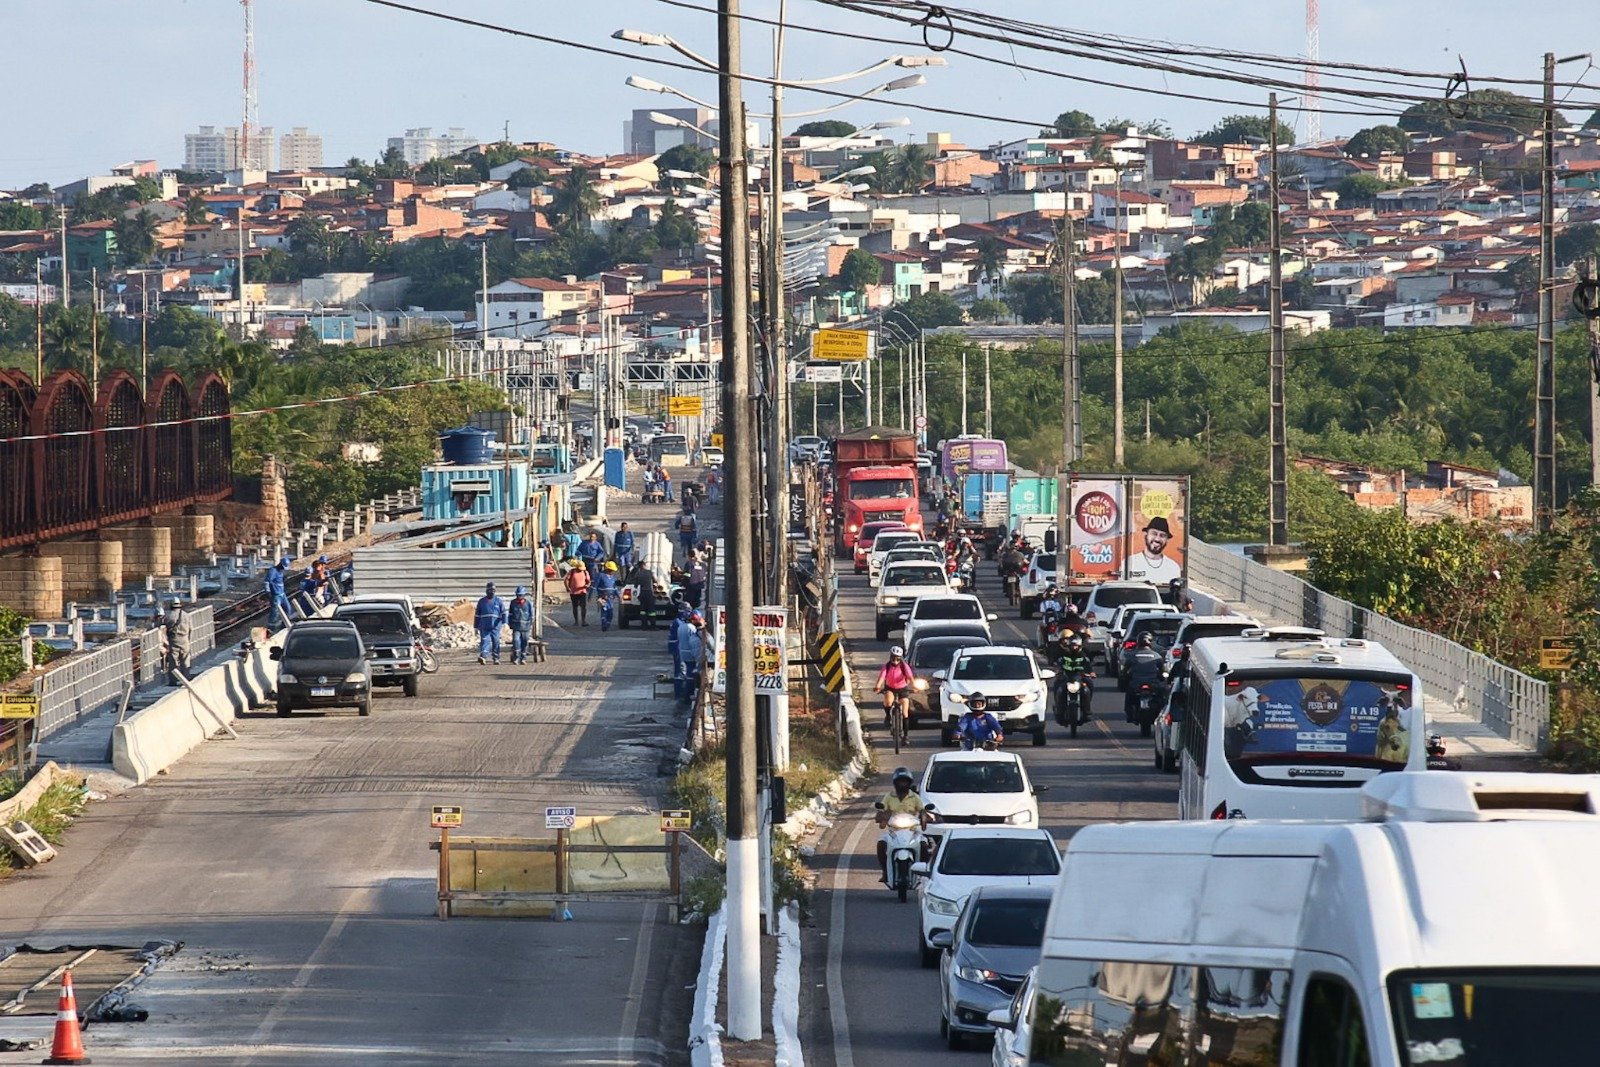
{"type": "Point", "coordinates": [38, 322]}
{"type": "Point", "coordinates": [144, 331]}
{"type": "Point", "coordinates": [94, 330]}
{"type": "Point", "coordinates": [963, 392]}
{"type": "Point", "coordinates": [1544, 413]}
{"type": "Point", "coordinates": [744, 875]}
{"type": "Point", "coordinates": [778, 439]}
{"type": "Point", "coordinates": [1071, 385]}
{"type": "Point", "coordinates": [1278, 501]}
{"type": "Point", "coordinates": [1119, 422]}
{"type": "Point", "coordinates": [483, 305]}
{"type": "Point", "coordinates": [1587, 300]}
{"type": "Point", "coordinates": [988, 392]}
{"type": "Point", "coordinates": [66, 281]}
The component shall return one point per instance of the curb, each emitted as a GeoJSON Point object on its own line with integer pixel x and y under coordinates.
{"type": "Point", "coordinates": [705, 1036]}
{"type": "Point", "coordinates": [786, 992]}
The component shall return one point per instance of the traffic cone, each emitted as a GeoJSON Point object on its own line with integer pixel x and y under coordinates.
{"type": "Point", "coordinates": [68, 1044]}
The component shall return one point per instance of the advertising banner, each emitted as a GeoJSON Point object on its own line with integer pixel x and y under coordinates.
{"type": "Point", "coordinates": [1158, 530]}
{"type": "Point", "coordinates": [1332, 721]}
{"type": "Point", "coordinates": [973, 454]}
{"type": "Point", "coordinates": [771, 655]}
{"type": "Point", "coordinates": [1098, 528]}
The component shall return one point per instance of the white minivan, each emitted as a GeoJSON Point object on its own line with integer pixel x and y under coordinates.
{"type": "Point", "coordinates": [1453, 924]}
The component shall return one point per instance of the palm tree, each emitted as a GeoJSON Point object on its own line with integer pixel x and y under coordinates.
{"type": "Point", "coordinates": [913, 167]}
{"type": "Point", "coordinates": [196, 210]}
{"type": "Point", "coordinates": [991, 261]}
{"type": "Point", "coordinates": [574, 201]}
{"type": "Point", "coordinates": [136, 236]}
{"type": "Point", "coordinates": [68, 338]}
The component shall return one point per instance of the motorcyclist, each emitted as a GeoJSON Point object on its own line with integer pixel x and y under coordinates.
{"type": "Point", "coordinates": [1051, 601]}
{"type": "Point", "coordinates": [894, 682]}
{"type": "Point", "coordinates": [977, 726]}
{"type": "Point", "coordinates": [1074, 664]}
{"type": "Point", "coordinates": [1144, 668]}
{"type": "Point", "coordinates": [901, 799]}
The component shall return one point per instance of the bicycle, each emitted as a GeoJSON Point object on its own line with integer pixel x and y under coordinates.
{"type": "Point", "coordinates": [898, 707]}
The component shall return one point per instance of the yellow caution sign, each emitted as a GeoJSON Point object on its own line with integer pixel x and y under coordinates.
{"type": "Point", "coordinates": [716, 440]}
{"type": "Point", "coordinates": [676, 820]}
{"type": "Point", "coordinates": [19, 705]}
{"type": "Point", "coordinates": [447, 816]}
{"type": "Point", "coordinates": [684, 405]}
{"type": "Point", "coordinates": [1555, 653]}
{"type": "Point", "coordinates": [844, 345]}
{"type": "Point", "coordinates": [830, 658]}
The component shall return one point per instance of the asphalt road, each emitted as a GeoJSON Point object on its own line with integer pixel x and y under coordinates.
{"type": "Point", "coordinates": [294, 865]}
{"type": "Point", "coordinates": [866, 1001]}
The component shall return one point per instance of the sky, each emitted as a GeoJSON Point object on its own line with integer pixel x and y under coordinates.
{"type": "Point", "coordinates": [100, 82]}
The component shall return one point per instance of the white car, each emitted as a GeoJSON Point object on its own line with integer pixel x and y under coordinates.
{"type": "Point", "coordinates": [973, 856]}
{"type": "Point", "coordinates": [1197, 626]}
{"type": "Point", "coordinates": [902, 586]}
{"type": "Point", "coordinates": [1018, 691]}
{"type": "Point", "coordinates": [1039, 573]}
{"type": "Point", "coordinates": [1167, 731]}
{"type": "Point", "coordinates": [946, 607]}
{"type": "Point", "coordinates": [903, 553]}
{"type": "Point", "coordinates": [882, 544]}
{"type": "Point", "coordinates": [981, 787]}
{"type": "Point", "coordinates": [399, 600]}
{"type": "Point", "coordinates": [711, 456]}
{"type": "Point", "coordinates": [805, 447]}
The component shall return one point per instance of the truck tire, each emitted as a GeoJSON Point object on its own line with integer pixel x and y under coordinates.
{"type": "Point", "coordinates": [409, 686]}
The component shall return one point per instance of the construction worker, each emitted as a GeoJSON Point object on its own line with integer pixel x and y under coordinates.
{"type": "Point", "coordinates": [519, 618]}
{"type": "Point", "coordinates": [606, 591]}
{"type": "Point", "coordinates": [593, 553]}
{"type": "Point", "coordinates": [277, 595]}
{"type": "Point", "coordinates": [577, 583]}
{"type": "Point", "coordinates": [488, 617]}
{"type": "Point", "coordinates": [178, 631]}
{"type": "Point", "coordinates": [622, 547]}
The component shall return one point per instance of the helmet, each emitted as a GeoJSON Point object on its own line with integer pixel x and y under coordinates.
{"type": "Point", "coordinates": [611, 568]}
{"type": "Point", "coordinates": [696, 617]}
{"type": "Point", "coordinates": [977, 701]}
{"type": "Point", "coordinates": [897, 651]}
{"type": "Point", "coordinates": [902, 772]}
{"type": "Point", "coordinates": [1075, 640]}
{"type": "Point", "coordinates": [1144, 641]}
{"type": "Point", "coordinates": [322, 559]}
{"type": "Point", "coordinates": [522, 590]}
{"type": "Point", "coordinates": [286, 562]}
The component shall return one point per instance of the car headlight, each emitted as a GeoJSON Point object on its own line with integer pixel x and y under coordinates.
{"type": "Point", "coordinates": [890, 601]}
{"type": "Point", "coordinates": [285, 677]}
{"type": "Point", "coordinates": [355, 678]}
{"type": "Point", "coordinates": [976, 974]}
{"type": "Point", "coordinates": [920, 685]}
{"type": "Point", "coordinates": [942, 905]}
{"type": "Point", "coordinates": [1020, 818]}
{"type": "Point", "coordinates": [1033, 697]}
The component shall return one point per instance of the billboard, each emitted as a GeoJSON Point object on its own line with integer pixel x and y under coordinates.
{"type": "Point", "coordinates": [1158, 531]}
{"type": "Point", "coordinates": [841, 344]}
{"type": "Point", "coordinates": [972, 454]}
{"type": "Point", "coordinates": [1097, 525]}
{"type": "Point", "coordinates": [1327, 719]}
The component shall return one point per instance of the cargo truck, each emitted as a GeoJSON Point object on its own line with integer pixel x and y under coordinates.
{"type": "Point", "coordinates": [1123, 527]}
{"type": "Point", "coordinates": [875, 479]}
{"type": "Point", "coordinates": [1033, 509]}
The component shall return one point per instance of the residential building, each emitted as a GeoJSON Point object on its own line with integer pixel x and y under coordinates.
{"type": "Point", "coordinates": [299, 150]}
{"type": "Point", "coordinates": [213, 151]}
{"type": "Point", "coordinates": [1138, 211]}
{"type": "Point", "coordinates": [643, 135]}
{"type": "Point", "coordinates": [1444, 310]}
{"type": "Point", "coordinates": [420, 144]}
{"type": "Point", "coordinates": [525, 307]}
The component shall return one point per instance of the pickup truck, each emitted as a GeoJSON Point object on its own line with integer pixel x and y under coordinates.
{"type": "Point", "coordinates": [899, 588]}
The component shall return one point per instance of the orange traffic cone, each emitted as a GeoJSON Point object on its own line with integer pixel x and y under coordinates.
{"type": "Point", "coordinates": [68, 1044]}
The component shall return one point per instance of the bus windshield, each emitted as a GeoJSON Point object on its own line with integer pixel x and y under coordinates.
{"type": "Point", "coordinates": [883, 489]}
{"type": "Point", "coordinates": [1297, 730]}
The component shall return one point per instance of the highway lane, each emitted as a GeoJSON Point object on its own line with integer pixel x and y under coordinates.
{"type": "Point", "coordinates": [860, 948]}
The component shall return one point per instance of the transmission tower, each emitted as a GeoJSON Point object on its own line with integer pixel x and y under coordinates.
{"type": "Point", "coordinates": [247, 127]}
{"type": "Point", "coordinates": [1313, 102]}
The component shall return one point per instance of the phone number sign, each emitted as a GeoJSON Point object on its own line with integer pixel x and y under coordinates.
{"type": "Point", "coordinates": [770, 652]}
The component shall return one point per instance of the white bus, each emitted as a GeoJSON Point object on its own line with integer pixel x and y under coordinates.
{"type": "Point", "coordinates": [1289, 724]}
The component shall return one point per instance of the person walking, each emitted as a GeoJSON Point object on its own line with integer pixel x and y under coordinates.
{"type": "Point", "coordinates": [277, 594]}
{"type": "Point", "coordinates": [622, 548]}
{"type": "Point", "coordinates": [178, 632]}
{"type": "Point", "coordinates": [593, 553]}
{"type": "Point", "coordinates": [577, 583]}
{"type": "Point", "coordinates": [646, 583]}
{"type": "Point", "coordinates": [519, 618]}
{"type": "Point", "coordinates": [691, 649]}
{"type": "Point", "coordinates": [606, 592]}
{"type": "Point", "coordinates": [666, 482]}
{"type": "Point", "coordinates": [696, 586]}
{"type": "Point", "coordinates": [489, 616]}
{"type": "Point", "coordinates": [688, 528]}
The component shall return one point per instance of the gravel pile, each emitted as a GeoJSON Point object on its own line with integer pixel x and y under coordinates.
{"type": "Point", "coordinates": [454, 635]}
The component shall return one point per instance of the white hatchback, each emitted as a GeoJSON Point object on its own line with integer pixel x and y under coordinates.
{"type": "Point", "coordinates": [943, 608]}
{"type": "Point", "coordinates": [973, 856]}
{"type": "Point", "coordinates": [987, 788]}
{"type": "Point", "coordinates": [1009, 677]}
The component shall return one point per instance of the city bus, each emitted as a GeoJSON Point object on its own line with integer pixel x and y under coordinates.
{"type": "Point", "coordinates": [1289, 724]}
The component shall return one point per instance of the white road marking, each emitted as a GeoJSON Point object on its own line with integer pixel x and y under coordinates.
{"type": "Point", "coordinates": [842, 1056]}
{"type": "Point", "coordinates": [641, 964]}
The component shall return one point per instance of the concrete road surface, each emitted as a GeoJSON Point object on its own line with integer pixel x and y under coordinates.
{"type": "Point", "coordinates": [294, 865]}
{"type": "Point", "coordinates": [866, 999]}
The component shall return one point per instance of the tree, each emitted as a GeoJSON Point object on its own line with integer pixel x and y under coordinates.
{"type": "Point", "coordinates": [988, 310]}
{"type": "Point", "coordinates": [1576, 242]}
{"type": "Point", "coordinates": [143, 190]}
{"type": "Point", "coordinates": [881, 180]}
{"type": "Point", "coordinates": [196, 210]}
{"type": "Point", "coordinates": [19, 215]}
{"type": "Point", "coordinates": [528, 178]}
{"type": "Point", "coordinates": [1361, 188]}
{"type": "Point", "coordinates": [991, 261]}
{"type": "Point", "coordinates": [860, 271]}
{"type": "Point", "coordinates": [1073, 123]}
{"type": "Point", "coordinates": [1223, 296]}
{"type": "Point", "coordinates": [1239, 129]}
{"type": "Point", "coordinates": [1485, 110]}
{"type": "Point", "coordinates": [439, 171]}
{"type": "Point", "coordinates": [574, 202]}
{"type": "Point", "coordinates": [1375, 141]}
{"type": "Point", "coordinates": [392, 164]}
{"type": "Point", "coordinates": [674, 229]}
{"type": "Point", "coordinates": [832, 128]}
{"type": "Point", "coordinates": [927, 311]}
{"type": "Point", "coordinates": [688, 158]}
{"type": "Point", "coordinates": [1593, 121]}
{"type": "Point", "coordinates": [912, 168]}
{"type": "Point", "coordinates": [136, 236]}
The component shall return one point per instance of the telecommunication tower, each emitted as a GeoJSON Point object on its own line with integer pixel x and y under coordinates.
{"type": "Point", "coordinates": [1313, 101]}
{"type": "Point", "coordinates": [248, 125]}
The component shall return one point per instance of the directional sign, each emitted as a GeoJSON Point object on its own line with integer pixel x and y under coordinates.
{"type": "Point", "coordinates": [830, 650]}
{"type": "Point", "coordinates": [1555, 653]}
{"type": "Point", "coordinates": [560, 818]}
{"type": "Point", "coordinates": [519, 381]}
{"type": "Point", "coordinates": [691, 372]}
{"type": "Point", "coordinates": [676, 820]}
{"type": "Point", "coordinates": [19, 705]}
{"type": "Point", "coordinates": [684, 405]}
{"type": "Point", "coordinates": [847, 345]}
{"type": "Point", "coordinates": [446, 816]}
{"type": "Point", "coordinates": [824, 374]}
{"type": "Point", "coordinates": [551, 382]}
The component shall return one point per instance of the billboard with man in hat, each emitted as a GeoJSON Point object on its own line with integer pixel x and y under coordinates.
{"type": "Point", "coordinates": [1158, 539]}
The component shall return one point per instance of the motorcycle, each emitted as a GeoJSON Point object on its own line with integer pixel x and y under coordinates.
{"type": "Point", "coordinates": [1437, 760]}
{"type": "Point", "coordinates": [905, 849]}
{"type": "Point", "coordinates": [1143, 706]}
{"type": "Point", "coordinates": [426, 659]}
{"type": "Point", "coordinates": [1072, 701]}
{"type": "Point", "coordinates": [967, 575]}
{"type": "Point", "coordinates": [1050, 637]}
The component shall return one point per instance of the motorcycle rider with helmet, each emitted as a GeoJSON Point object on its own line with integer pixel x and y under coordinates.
{"type": "Point", "coordinates": [1075, 663]}
{"type": "Point", "coordinates": [1144, 668]}
{"type": "Point", "coordinates": [900, 799]}
{"type": "Point", "coordinates": [977, 727]}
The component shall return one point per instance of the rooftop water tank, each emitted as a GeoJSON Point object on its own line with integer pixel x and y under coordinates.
{"type": "Point", "coordinates": [467, 446]}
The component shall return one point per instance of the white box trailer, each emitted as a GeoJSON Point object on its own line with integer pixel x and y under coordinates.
{"type": "Point", "coordinates": [1454, 924]}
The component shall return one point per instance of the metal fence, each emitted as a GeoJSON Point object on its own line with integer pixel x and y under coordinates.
{"type": "Point", "coordinates": [1505, 700]}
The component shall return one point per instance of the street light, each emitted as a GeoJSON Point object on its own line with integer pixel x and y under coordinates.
{"type": "Point", "coordinates": [649, 85]}
{"type": "Point", "coordinates": [661, 40]}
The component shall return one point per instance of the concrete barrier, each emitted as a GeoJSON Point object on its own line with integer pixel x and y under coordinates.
{"type": "Point", "coordinates": [158, 736]}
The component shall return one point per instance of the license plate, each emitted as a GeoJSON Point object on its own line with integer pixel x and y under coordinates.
{"type": "Point", "coordinates": [322, 691]}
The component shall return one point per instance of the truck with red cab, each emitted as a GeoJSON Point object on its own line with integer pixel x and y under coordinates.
{"type": "Point", "coordinates": [875, 480]}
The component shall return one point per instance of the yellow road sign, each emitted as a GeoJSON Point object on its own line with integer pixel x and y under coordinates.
{"type": "Point", "coordinates": [830, 651]}
{"type": "Point", "coordinates": [847, 345]}
{"type": "Point", "coordinates": [19, 705]}
{"type": "Point", "coordinates": [447, 816]}
{"type": "Point", "coordinates": [684, 405]}
{"type": "Point", "coordinates": [676, 820]}
{"type": "Point", "coordinates": [1555, 653]}
{"type": "Point", "coordinates": [716, 440]}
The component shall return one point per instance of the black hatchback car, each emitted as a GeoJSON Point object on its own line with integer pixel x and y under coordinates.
{"type": "Point", "coordinates": [323, 664]}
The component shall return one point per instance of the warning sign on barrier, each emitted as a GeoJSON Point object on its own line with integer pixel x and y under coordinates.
{"type": "Point", "coordinates": [830, 656]}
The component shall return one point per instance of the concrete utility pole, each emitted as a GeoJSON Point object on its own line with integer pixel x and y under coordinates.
{"type": "Point", "coordinates": [1278, 501]}
{"type": "Point", "coordinates": [988, 392]}
{"type": "Point", "coordinates": [483, 305]}
{"type": "Point", "coordinates": [1544, 412]}
{"type": "Point", "coordinates": [1119, 421]}
{"type": "Point", "coordinates": [66, 280]}
{"type": "Point", "coordinates": [778, 438]}
{"type": "Point", "coordinates": [1587, 300]}
{"type": "Point", "coordinates": [1071, 391]}
{"type": "Point", "coordinates": [744, 874]}
{"type": "Point", "coordinates": [963, 392]}
{"type": "Point", "coordinates": [38, 324]}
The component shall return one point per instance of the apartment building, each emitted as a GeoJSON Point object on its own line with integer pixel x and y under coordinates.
{"type": "Point", "coordinates": [212, 151]}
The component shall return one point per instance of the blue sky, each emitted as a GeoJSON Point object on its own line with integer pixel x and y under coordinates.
{"type": "Point", "coordinates": [102, 81]}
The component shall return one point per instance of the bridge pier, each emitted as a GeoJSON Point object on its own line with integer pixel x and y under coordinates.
{"type": "Point", "coordinates": [90, 570]}
{"type": "Point", "coordinates": [32, 585]}
{"type": "Point", "coordinates": [146, 549]}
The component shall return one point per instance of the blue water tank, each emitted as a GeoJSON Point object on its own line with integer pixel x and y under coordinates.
{"type": "Point", "coordinates": [467, 446]}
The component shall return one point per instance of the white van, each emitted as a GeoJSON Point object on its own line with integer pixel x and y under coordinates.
{"type": "Point", "coordinates": [1453, 925]}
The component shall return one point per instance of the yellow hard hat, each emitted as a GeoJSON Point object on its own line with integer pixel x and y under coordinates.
{"type": "Point", "coordinates": [611, 566]}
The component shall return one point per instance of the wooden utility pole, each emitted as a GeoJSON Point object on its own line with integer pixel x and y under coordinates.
{"type": "Point", "coordinates": [1587, 300]}
{"type": "Point", "coordinates": [1119, 422]}
{"type": "Point", "coordinates": [1278, 510]}
{"type": "Point", "coordinates": [1544, 411]}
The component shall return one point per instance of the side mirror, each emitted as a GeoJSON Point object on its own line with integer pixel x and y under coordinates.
{"type": "Point", "coordinates": [931, 809]}
{"type": "Point", "coordinates": [919, 868]}
{"type": "Point", "coordinates": [991, 616]}
{"type": "Point", "coordinates": [942, 939]}
{"type": "Point", "coordinates": [1040, 789]}
{"type": "Point", "coordinates": [939, 676]}
{"type": "Point", "coordinates": [1000, 1019]}
{"type": "Point", "coordinates": [1047, 674]}
{"type": "Point", "coordinates": [275, 652]}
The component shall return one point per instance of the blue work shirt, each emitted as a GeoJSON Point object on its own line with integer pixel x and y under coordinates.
{"type": "Point", "coordinates": [275, 586]}
{"type": "Point", "coordinates": [490, 614]}
{"type": "Point", "coordinates": [592, 552]}
{"type": "Point", "coordinates": [605, 585]}
{"type": "Point", "coordinates": [519, 615]}
{"type": "Point", "coordinates": [978, 727]}
{"type": "Point", "coordinates": [622, 542]}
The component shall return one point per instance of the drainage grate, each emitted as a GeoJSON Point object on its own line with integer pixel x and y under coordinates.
{"type": "Point", "coordinates": [102, 975]}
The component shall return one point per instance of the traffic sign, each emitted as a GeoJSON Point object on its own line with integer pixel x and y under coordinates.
{"type": "Point", "coordinates": [447, 816]}
{"type": "Point", "coordinates": [922, 422]}
{"type": "Point", "coordinates": [1555, 653]}
{"type": "Point", "coordinates": [846, 345]}
{"type": "Point", "coordinates": [684, 405]}
{"type": "Point", "coordinates": [19, 705]}
{"type": "Point", "coordinates": [824, 375]}
{"type": "Point", "coordinates": [716, 440]}
{"type": "Point", "coordinates": [830, 650]}
{"type": "Point", "coordinates": [560, 818]}
{"type": "Point", "coordinates": [676, 820]}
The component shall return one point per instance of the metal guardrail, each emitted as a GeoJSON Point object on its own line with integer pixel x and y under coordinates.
{"type": "Point", "coordinates": [1512, 704]}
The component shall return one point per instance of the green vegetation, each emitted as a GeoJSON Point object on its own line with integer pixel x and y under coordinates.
{"type": "Point", "coordinates": [825, 128]}
{"type": "Point", "coordinates": [59, 805]}
{"type": "Point", "coordinates": [1377, 140]}
{"type": "Point", "coordinates": [859, 271]}
{"type": "Point", "coordinates": [1240, 129]}
{"type": "Point", "coordinates": [1360, 188]}
{"type": "Point", "coordinates": [1483, 110]}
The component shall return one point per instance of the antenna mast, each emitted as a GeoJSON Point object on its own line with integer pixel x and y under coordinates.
{"type": "Point", "coordinates": [1313, 102]}
{"type": "Point", "coordinates": [247, 159]}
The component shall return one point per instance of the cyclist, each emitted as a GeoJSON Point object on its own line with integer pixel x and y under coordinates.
{"type": "Point", "coordinates": [894, 682]}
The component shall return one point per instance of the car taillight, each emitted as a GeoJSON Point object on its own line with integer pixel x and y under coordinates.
{"type": "Point", "coordinates": [1177, 650]}
{"type": "Point", "coordinates": [1220, 811]}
